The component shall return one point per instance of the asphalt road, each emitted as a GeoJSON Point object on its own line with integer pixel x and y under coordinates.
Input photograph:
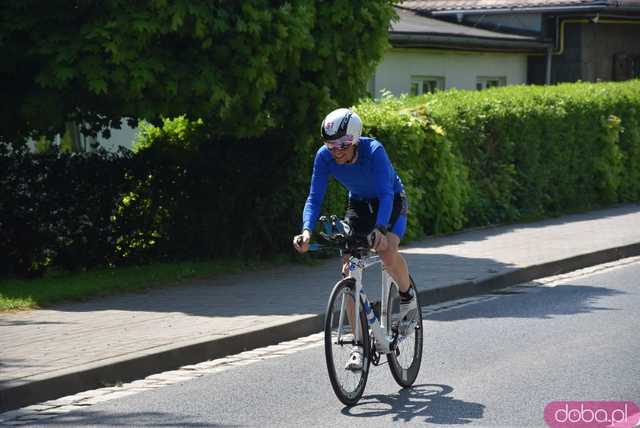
{"type": "Point", "coordinates": [493, 361]}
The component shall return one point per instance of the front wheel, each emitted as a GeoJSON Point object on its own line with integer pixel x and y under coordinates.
{"type": "Point", "coordinates": [404, 362]}
{"type": "Point", "coordinates": [339, 337]}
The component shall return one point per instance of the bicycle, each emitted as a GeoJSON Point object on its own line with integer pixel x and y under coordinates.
{"type": "Point", "coordinates": [378, 333]}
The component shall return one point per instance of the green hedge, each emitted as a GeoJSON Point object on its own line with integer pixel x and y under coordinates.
{"type": "Point", "coordinates": [515, 153]}
{"type": "Point", "coordinates": [466, 158]}
{"type": "Point", "coordinates": [56, 210]}
{"type": "Point", "coordinates": [215, 198]}
{"type": "Point", "coordinates": [433, 176]}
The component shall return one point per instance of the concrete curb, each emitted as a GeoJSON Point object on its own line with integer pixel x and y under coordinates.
{"type": "Point", "coordinates": [87, 378]}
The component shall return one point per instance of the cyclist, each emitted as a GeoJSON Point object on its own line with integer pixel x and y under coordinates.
{"type": "Point", "coordinates": [377, 202]}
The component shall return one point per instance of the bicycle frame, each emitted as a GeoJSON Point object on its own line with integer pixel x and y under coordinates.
{"type": "Point", "coordinates": [379, 327]}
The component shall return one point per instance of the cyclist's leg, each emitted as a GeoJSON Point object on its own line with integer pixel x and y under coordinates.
{"type": "Point", "coordinates": [395, 264]}
{"type": "Point", "coordinates": [393, 261]}
{"type": "Point", "coordinates": [356, 358]}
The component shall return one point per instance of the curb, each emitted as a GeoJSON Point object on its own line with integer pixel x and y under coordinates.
{"type": "Point", "coordinates": [136, 368]}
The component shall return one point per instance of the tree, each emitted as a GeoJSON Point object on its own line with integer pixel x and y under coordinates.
{"type": "Point", "coordinates": [244, 67]}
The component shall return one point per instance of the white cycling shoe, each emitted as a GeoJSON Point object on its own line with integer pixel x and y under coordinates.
{"type": "Point", "coordinates": [355, 359]}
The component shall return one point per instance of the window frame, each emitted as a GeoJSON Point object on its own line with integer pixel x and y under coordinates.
{"type": "Point", "coordinates": [419, 80]}
{"type": "Point", "coordinates": [482, 82]}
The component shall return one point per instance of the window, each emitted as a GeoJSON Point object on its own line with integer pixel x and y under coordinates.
{"type": "Point", "coordinates": [484, 82]}
{"type": "Point", "coordinates": [625, 66]}
{"type": "Point", "coordinates": [426, 84]}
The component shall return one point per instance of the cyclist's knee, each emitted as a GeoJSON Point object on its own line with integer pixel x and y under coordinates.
{"type": "Point", "coordinates": [393, 244]}
{"type": "Point", "coordinates": [393, 241]}
{"type": "Point", "coordinates": [390, 256]}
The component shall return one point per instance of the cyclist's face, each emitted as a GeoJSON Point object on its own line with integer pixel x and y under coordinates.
{"type": "Point", "coordinates": [344, 155]}
{"type": "Point", "coordinates": [342, 150]}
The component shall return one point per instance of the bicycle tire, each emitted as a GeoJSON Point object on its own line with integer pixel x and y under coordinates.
{"type": "Point", "coordinates": [403, 373]}
{"type": "Point", "coordinates": [345, 287]}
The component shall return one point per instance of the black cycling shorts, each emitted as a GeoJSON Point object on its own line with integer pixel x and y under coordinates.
{"type": "Point", "coordinates": [362, 214]}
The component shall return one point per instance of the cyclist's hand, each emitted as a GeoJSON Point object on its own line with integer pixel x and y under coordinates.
{"type": "Point", "coordinates": [301, 242]}
{"type": "Point", "coordinates": [345, 266]}
{"type": "Point", "coordinates": [379, 241]}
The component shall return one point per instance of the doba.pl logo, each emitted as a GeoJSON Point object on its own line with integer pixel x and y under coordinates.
{"type": "Point", "coordinates": [592, 414]}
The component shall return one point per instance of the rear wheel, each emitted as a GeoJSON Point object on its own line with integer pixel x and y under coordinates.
{"type": "Point", "coordinates": [404, 363]}
{"type": "Point", "coordinates": [339, 338]}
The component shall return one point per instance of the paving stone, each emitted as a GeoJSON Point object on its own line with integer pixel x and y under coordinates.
{"type": "Point", "coordinates": [37, 417]}
{"type": "Point", "coordinates": [36, 408]}
{"type": "Point", "coordinates": [97, 399]}
{"type": "Point", "coordinates": [11, 414]}
{"type": "Point", "coordinates": [64, 409]}
{"type": "Point", "coordinates": [15, 422]}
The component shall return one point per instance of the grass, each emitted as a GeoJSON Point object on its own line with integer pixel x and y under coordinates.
{"type": "Point", "coordinates": [19, 294]}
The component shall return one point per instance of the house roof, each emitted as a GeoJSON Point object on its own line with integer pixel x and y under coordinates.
{"type": "Point", "coordinates": [416, 30]}
{"type": "Point", "coordinates": [412, 22]}
{"type": "Point", "coordinates": [466, 5]}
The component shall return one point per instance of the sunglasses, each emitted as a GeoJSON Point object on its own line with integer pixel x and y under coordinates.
{"type": "Point", "coordinates": [339, 144]}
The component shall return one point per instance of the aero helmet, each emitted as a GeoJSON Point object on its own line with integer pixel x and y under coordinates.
{"type": "Point", "coordinates": [341, 123]}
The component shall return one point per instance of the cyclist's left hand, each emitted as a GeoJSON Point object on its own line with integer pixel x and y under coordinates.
{"type": "Point", "coordinates": [301, 242]}
{"type": "Point", "coordinates": [380, 241]}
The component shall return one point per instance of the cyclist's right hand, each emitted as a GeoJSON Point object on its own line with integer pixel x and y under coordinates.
{"type": "Point", "coordinates": [301, 242]}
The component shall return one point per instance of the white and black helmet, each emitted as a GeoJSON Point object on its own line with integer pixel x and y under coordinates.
{"type": "Point", "coordinates": [341, 123]}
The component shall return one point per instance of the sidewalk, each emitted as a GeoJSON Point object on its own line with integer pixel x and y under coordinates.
{"type": "Point", "coordinates": [53, 352]}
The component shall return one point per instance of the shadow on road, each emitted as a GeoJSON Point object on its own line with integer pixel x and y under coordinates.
{"type": "Point", "coordinates": [430, 403]}
{"type": "Point", "coordinates": [542, 303]}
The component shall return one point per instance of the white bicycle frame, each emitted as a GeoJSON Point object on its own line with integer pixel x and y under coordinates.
{"type": "Point", "coordinates": [380, 330]}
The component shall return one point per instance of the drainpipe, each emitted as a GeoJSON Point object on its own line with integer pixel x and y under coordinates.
{"type": "Point", "coordinates": [548, 73]}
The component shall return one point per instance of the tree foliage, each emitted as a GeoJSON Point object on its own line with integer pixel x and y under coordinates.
{"type": "Point", "coordinates": [243, 67]}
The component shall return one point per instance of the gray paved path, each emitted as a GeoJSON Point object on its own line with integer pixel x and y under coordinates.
{"type": "Point", "coordinates": [50, 342]}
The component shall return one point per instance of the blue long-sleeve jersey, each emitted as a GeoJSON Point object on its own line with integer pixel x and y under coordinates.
{"type": "Point", "coordinates": [371, 176]}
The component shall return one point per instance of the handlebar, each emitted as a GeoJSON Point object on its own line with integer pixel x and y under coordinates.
{"type": "Point", "coordinates": [338, 234]}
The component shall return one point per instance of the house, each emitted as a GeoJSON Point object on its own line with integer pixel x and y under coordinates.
{"type": "Point", "coordinates": [473, 44]}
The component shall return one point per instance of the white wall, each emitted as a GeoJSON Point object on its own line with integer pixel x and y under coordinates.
{"type": "Point", "coordinates": [119, 137]}
{"type": "Point", "coordinates": [124, 136]}
{"type": "Point", "coordinates": [460, 69]}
